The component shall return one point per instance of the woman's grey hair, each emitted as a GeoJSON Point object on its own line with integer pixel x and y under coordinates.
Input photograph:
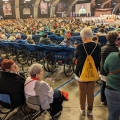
{"type": "Point", "coordinates": [35, 69]}
{"type": "Point", "coordinates": [18, 35]}
{"type": "Point", "coordinates": [29, 37]}
{"type": "Point", "coordinates": [86, 33]}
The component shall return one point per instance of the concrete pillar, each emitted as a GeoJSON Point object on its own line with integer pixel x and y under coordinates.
{"type": "Point", "coordinates": [17, 10]}
{"type": "Point", "coordinates": [52, 9]}
{"type": "Point", "coordinates": [103, 4]}
{"type": "Point", "coordinates": [92, 1]}
{"type": "Point", "coordinates": [116, 8]}
{"type": "Point", "coordinates": [36, 8]}
{"type": "Point", "coordinates": [70, 7]}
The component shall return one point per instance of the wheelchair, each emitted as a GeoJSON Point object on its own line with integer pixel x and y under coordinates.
{"type": "Point", "coordinates": [6, 50]}
{"type": "Point", "coordinates": [60, 55]}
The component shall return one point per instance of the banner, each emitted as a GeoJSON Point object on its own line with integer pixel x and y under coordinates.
{"type": "Point", "coordinates": [82, 8]}
{"type": "Point", "coordinates": [43, 7]}
{"type": "Point", "coordinates": [7, 9]}
{"type": "Point", "coordinates": [60, 7]}
{"type": "Point", "coordinates": [26, 11]}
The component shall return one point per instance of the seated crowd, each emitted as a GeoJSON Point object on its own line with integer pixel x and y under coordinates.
{"type": "Point", "coordinates": [11, 29]}
{"type": "Point", "coordinates": [15, 85]}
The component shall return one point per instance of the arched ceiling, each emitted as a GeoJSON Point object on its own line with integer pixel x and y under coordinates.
{"type": "Point", "coordinates": [116, 1]}
{"type": "Point", "coordinates": [101, 1]}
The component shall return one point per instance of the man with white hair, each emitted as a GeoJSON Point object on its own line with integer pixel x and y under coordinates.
{"type": "Point", "coordinates": [88, 47]}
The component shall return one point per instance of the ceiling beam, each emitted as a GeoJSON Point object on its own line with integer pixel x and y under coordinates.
{"type": "Point", "coordinates": [36, 8]}
{"type": "Point", "coordinates": [70, 7]}
{"type": "Point", "coordinates": [17, 9]}
{"type": "Point", "coordinates": [103, 4]}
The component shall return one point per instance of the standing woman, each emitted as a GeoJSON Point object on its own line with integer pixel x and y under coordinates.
{"type": "Point", "coordinates": [86, 88]}
{"type": "Point", "coordinates": [112, 91]}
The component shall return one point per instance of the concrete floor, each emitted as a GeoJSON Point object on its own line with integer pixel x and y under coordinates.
{"type": "Point", "coordinates": [71, 108]}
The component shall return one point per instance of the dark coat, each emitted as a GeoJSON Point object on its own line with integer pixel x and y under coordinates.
{"type": "Point", "coordinates": [13, 85]}
{"type": "Point", "coordinates": [105, 51]}
{"type": "Point", "coordinates": [45, 41]}
{"type": "Point", "coordinates": [81, 55]}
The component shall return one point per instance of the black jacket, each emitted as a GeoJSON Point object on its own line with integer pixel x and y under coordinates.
{"type": "Point", "coordinates": [105, 51]}
{"type": "Point", "coordinates": [81, 55]}
{"type": "Point", "coordinates": [13, 85]}
{"type": "Point", "coordinates": [45, 41]}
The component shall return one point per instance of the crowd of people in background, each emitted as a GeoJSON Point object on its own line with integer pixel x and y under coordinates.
{"type": "Point", "coordinates": [66, 27]}
{"type": "Point", "coordinates": [11, 30]}
{"type": "Point", "coordinates": [59, 26]}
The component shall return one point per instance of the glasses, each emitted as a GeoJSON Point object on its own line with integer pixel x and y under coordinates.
{"type": "Point", "coordinates": [14, 66]}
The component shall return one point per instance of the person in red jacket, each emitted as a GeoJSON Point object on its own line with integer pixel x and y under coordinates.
{"type": "Point", "coordinates": [68, 34]}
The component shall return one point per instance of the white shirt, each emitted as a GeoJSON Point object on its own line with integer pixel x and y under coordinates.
{"type": "Point", "coordinates": [41, 89]}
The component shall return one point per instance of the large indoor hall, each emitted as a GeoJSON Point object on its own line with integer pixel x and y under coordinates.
{"type": "Point", "coordinates": [59, 59]}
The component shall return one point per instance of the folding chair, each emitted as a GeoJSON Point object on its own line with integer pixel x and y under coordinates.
{"type": "Point", "coordinates": [6, 103]}
{"type": "Point", "coordinates": [102, 40]}
{"type": "Point", "coordinates": [77, 33]}
{"type": "Point", "coordinates": [23, 36]}
{"type": "Point", "coordinates": [33, 102]}
{"type": "Point", "coordinates": [49, 33]}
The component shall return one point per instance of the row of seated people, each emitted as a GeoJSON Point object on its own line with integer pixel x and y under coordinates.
{"type": "Point", "coordinates": [68, 40]}
{"type": "Point", "coordinates": [13, 36]}
{"type": "Point", "coordinates": [15, 85]}
{"type": "Point", "coordinates": [73, 32]}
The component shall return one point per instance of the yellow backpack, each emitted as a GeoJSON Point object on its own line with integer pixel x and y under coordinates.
{"type": "Point", "coordinates": [89, 71]}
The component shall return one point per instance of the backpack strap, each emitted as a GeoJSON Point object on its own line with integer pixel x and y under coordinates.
{"type": "Point", "coordinates": [85, 49]}
{"type": "Point", "coordinates": [92, 51]}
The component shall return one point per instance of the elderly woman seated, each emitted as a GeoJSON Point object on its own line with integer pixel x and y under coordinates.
{"type": "Point", "coordinates": [29, 39]}
{"type": "Point", "coordinates": [2, 35]}
{"type": "Point", "coordinates": [12, 83]}
{"type": "Point", "coordinates": [48, 98]}
{"type": "Point", "coordinates": [18, 37]}
{"type": "Point", "coordinates": [12, 37]}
